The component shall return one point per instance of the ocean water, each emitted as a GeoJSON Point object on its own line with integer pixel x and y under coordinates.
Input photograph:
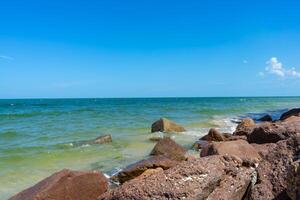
{"type": "Point", "coordinates": [37, 135]}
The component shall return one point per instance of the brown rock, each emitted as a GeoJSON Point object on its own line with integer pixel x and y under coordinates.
{"type": "Point", "coordinates": [170, 149]}
{"type": "Point", "coordinates": [136, 169]}
{"type": "Point", "coordinates": [239, 148]}
{"type": "Point", "coordinates": [292, 112]}
{"type": "Point", "coordinates": [213, 135]}
{"type": "Point", "coordinates": [266, 118]}
{"type": "Point", "coordinates": [214, 177]}
{"type": "Point", "coordinates": [293, 181]}
{"type": "Point", "coordinates": [245, 127]}
{"type": "Point", "coordinates": [99, 140]}
{"type": "Point", "coordinates": [166, 125]}
{"type": "Point", "coordinates": [274, 168]}
{"type": "Point", "coordinates": [273, 132]}
{"type": "Point", "coordinates": [236, 137]}
{"type": "Point", "coordinates": [66, 184]}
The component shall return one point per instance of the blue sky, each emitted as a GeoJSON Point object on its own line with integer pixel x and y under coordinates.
{"type": "Point", "coordinates": [149, 48]}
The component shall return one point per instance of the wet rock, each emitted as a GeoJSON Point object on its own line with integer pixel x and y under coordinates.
{"type": "Point", "coordinates": [170, 149]}
{"type": "Point", "coordinates": [239, 148]}
{"type": "Point", "coordinates": [66, 184]}
{"type": "Point", "coordinates": [266, 118]}
{"type": "Point", "coordinates": [200, 144]}
{"type": "Point", "coordinates": [211, 177]}
{"type": "Point", "coordinates": [213, 135]}
{"type": "Point", "coordinates": [245, 127]}
{"type": "Point", "coordinates": [166, 125]}
{"type": "Point", "coordinates": [274, 168]}
{"type": "Point", "coordinates": [99, 140]}
{"type": "Point", "coordinates": [292, 112]}
{"type": "Point", "coordinates": [136, 169]}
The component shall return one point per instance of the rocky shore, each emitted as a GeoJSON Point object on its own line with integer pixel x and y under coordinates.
{"type": "Point", "coordinates": [258, 161]}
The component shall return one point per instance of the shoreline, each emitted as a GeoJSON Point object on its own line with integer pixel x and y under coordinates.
{"type": "Point", "coordinates": [168, 163]}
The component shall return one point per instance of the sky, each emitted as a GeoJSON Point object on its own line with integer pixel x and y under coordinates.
{"type": "Point", "coordinates": [149, 48]}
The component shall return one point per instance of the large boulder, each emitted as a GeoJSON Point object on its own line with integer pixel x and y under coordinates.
{"type": "Point", "coordinates": [292, 112]}
{"type": "Point", "coordinates": [166, 125]}
{"type": "Point", "coordinates": [273, 170]}
{"type": "Point", "coordinates": [214, 135]}
{"type": "Point", "coordinates": [136, 169]}
{"type": "Point", "coordinates": [239, 148]}
{"type": "Point", "coordinates": [211, 177]}
{"type": "Point", "coordinates": [66, 184]}
{"type": "Point", "coordinates": [273, 132]}
{"type": "Point", "coordinates": [245, 127]}
{"type": "Point", "coordinates": [170, 149]}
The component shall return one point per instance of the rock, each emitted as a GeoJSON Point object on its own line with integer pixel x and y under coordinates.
{"type": "Point", "coordinates": [236, 137]}
{"type": "Point", "coordinates": [99, 140]}
{"type": "Point", "coordinates": [66, 184]}
{"type": "Point", "coordinates": [213, 135]}
{"type": "Point", "coordinates": [292, 112]}
{"type": "Point", "coordinates": [227, 135]}
{"type": "Point", "coordinates": [211, 177]}
{"type": "Point", "coordinates": [293, 181]}
{"type": "Point", "coordinates": [239, 148]}
{"type": "Point", "coordinates": [266, 118]}
{"type": "Point", "coordinates": [199, 144]}
{"type": "Point", "coordinates": [136, 169]}
{"type": "Point", "coordinates": [273, 132]}
{"type": "Point", "coordinates": [245, 127]}
{"type": "Point", "coordinates": [170, 149]}
{"type": "Point", "coordinates": [274, 168]}
{"type": "Point", "coordinates": [166, 125]}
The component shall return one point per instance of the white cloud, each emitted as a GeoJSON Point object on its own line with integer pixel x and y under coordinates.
{"type": "Point", "coordinates": [4, 57]}
{"type": "Point", "coordinates": [276, 67]}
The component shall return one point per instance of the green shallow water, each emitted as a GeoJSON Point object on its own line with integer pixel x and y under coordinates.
{"type": "Point", "coordinates": [36, 135]}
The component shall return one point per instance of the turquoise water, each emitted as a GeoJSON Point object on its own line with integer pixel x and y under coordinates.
{"type": "Point", "coordinates": [36, 135]}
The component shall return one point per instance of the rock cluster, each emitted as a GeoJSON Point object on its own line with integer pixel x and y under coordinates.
{"type": "Point", "coordinates": [257, 162]}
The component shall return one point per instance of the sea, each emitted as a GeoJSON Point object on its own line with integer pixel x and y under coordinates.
{"type": "Point", "coordinates": [38, 136]}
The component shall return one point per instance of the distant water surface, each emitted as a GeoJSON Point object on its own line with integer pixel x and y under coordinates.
{"type": "Point", "coordinates": [37, 135]}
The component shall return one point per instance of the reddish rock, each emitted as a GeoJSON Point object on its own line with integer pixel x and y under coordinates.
{"type": "Point", "coordinates": [213, 135]}
{"type": "Point", "coordinates": [292, 112]}
{"type": "Point", "coordinates": [214, 177]}
{"type": "Point", "coordinates": [239, 148]}
{"type": "Point", "coordinates": [166, 125]}
{"type": "Point", "coordinates": [273, 132]}
{"type": "Point", "coordinates": [293, 181]}
{"type": "Point", "coordinates": [136, 169]}
{"type": "Point", "coordinates": [66, 185]}
{"type": "Point", "coordinates": [170, 149]}
{"type": "Point", "coordinates": [274, 168]}
{"type": "Point", "coordinates": [236, 137]}
{"type": "Point", "coordinates": [245, 127]}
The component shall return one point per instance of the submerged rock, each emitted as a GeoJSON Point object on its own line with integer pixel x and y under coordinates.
{"type": "Point", "coordinates": [99, 140]}
{"type": "Point", "coordinates": [239, 148]}
{"type": "Point", "coordinates": [170, 149]}
{"type": "Point", "coordinates": [292, 112]}
{"type": "Point", "coordinates": [166, 125]}
{"type": "Point", "coordinates": [214, 135]}
{"type": "Point", "coordinates": [203, 178]}
{"type": "Point", "coordinates": [66, 184]}
{"type": "Point", "coordinates": [266, 118]}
